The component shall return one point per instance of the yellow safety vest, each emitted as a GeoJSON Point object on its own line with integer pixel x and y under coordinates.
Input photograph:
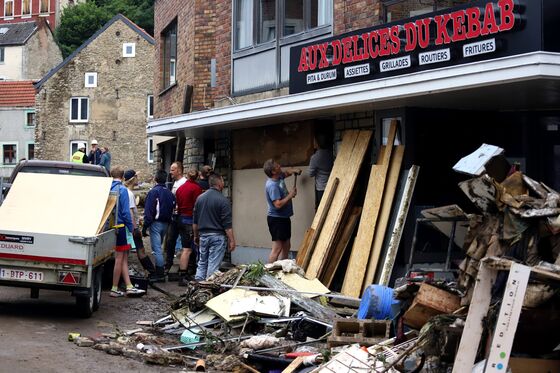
{"type": "Point", "coordinates": [78, 157]}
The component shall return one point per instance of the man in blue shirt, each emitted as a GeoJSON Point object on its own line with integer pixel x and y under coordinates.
{"type": "Point", "coordinates": [280, 208]}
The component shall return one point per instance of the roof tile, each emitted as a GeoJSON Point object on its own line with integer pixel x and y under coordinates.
{"type": "Point", "coordinates": [17, 94]}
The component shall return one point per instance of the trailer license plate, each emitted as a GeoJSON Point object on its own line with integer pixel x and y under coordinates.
{"type": "Point", "coordinates": [21, 275]}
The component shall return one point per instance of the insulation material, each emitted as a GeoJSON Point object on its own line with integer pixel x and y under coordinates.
{"type": "Point", "coordinates": [55, 204]}
{"type": "Point", "coordinates": [473, 164]}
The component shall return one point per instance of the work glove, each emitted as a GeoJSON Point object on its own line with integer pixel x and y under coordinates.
{"type": "Point", "coordinates": [145, 231]}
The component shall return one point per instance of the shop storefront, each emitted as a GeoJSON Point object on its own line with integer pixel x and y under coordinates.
{"type": "Point", "coordinates": [485, 72]}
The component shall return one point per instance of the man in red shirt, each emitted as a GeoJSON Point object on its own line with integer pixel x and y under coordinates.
{"type": "Point", "coordinates": [186, 197]}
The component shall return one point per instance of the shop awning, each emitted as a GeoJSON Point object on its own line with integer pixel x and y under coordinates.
{"type": "Point", "coordinates": [522, 82]}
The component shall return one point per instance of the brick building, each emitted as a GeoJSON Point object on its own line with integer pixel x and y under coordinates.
{"type": "Point", "coordinates": [262, 76]}
{"type": "Point", "coordinates": [14, 11]}
{"type": "Point", "coordinates": [102, 91]}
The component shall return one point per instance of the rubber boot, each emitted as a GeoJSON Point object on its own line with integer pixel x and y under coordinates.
{"type": "Point", "coordinates": [148, 265]}
{"type": "Point", "coordinates": [159, 275]}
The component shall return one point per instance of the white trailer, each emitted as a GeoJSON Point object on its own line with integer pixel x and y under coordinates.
{"type": "Point", "coordinates": [53, 235]}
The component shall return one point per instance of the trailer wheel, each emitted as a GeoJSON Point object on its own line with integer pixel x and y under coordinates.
{"type": "Point", "coordinates": [97, 283]}
{"type": "Point", "coordinates": [85, 304]}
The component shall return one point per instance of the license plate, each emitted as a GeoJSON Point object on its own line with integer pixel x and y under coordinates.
{"type": "Point", "coordinates": [21, 275]}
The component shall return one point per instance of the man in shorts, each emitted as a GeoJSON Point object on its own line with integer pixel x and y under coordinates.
{"type": "Point", "coordinates": [280, 208]}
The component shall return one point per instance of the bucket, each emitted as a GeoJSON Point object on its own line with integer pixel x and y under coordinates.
{"type": "Point", "coordinates": [376, 303]}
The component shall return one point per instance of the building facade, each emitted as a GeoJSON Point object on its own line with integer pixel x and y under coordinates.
{"type": "Point", "coordinates": [17, 124]}
{"type": "Point", "coordinates": [102, 91]}
{"type": "Point", "coordinates": [453, 74]}
{"type": "Point", "coordinates": [14, 11]}
{"type": "Point", "coordinates": [27, 50]}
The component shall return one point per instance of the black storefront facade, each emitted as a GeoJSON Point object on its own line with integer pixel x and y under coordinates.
{"type": "Point", "coordinates": [487, 72]}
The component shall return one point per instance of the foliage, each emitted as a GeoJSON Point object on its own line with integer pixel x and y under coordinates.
{"type": "Point", "coordinates": [81, 21]}
{"type": "Point", "coordinates": [254, 271]}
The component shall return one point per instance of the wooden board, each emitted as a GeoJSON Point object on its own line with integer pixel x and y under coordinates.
{"type": "Point", "coordinates": [304, 247]}
{"type": "Point", "coordinates": [354, 279]}
{"type": "Point", "coordinates": [340, 248]}
{"type": "Point", "coordinates": [398, 227]}
{"type": "Point", "coordinates": [68, 205]}
{"type": "Point", "coordinates": [387, 203]}
{"type": "Point", "coordinates": [111, 202]}
{"type": "Point", "coordinates": [310, 244]}
{"type": "Point", "coordinates": [346, 168]}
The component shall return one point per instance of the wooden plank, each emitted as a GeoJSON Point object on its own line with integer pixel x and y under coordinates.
{"type": "Point", "coordinates": [349, 139]}
{"type": "Point", "coordinates": [306, 257]}
{"type": "Point", "coordinates": [347, 172]}
{"type": "Point", "coordinates": [400, 221]}
{"type": "Point", "coordinates": [340, 248]}
{"type": "Point", "coordinates": [111, 202]}
{"type": "Point", "coordinates": [362, 244]}
{"type": "Point", "coordinates": [472, 332]}
{"type": "Point", "coordinates": [303, 249]}
{"type": "Point", "coordinates": [294, 365]}
{"type": "Point", "coordinates": [385, 214]}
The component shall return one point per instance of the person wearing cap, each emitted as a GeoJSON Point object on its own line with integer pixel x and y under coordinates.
{"type": "Point", "coordinates": [131, 180]}
{"type": "Point", "coordinates": [94, 153]}
{"type": "Point", "coordinates": [122, 245]}
{"type": "Point", "coordinates": [79, 155]}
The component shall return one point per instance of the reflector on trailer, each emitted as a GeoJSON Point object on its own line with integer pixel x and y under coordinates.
{"type": "Point", "coordinates": [70, 278]}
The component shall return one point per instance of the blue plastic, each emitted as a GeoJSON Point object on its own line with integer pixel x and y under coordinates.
{"type": "Point", "coordinates": [377, 303]}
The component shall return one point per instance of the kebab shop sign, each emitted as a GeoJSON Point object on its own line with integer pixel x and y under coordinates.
{"type": "Point", "coordinates": [388, 44]}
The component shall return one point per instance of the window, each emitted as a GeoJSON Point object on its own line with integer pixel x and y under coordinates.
{"type": "Point", "coordinates": [90, 80]}
{"type": "Point", "coordinates": [1, 54]}
{"type": "Point", "coordinates": [30, 118]}
{"type": "Point", "coordinates": [44, 9]}
{"type": "Point", "coordinates": [30, 150]}
{"type": "Point", "coordinates": [150, 108]}
{"type": "Point", "coordinates": [8, 9]}
{"type": "Point", "coordinates": [150, 150]}
{"type": "Point", "coordinates": [129, 49]}
{"type": "Point", "coordinates": [25, 8]}
{"type": "Point", "coordinates": [169, 50]}
{"type": "Point", "coordinates": [298, 16]}
{"type": "Point", "coordinates": [79, 109]}
{"type": "Point", "coordinates": [9, 153]}
{"type": "Point", "coordinates": [396, 10]}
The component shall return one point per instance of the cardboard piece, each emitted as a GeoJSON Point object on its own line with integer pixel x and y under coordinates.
{"type": "Point", "coordinates": [55, 204]}
{"type": "Point", "coordinates": [222, 303]}
{"type": "Point", "coordinates": [193, 319]}
{"type": "Point", "coordinates": [268, 305]}
{"type": "Point", "coordinates": [473, 164]}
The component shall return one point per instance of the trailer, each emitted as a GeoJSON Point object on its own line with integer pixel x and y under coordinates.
{"type": "Point", "coordinates": [55, 234]}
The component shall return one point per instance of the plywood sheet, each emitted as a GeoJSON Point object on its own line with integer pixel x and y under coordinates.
{"type": "Point", "coordinates": [55, 204]}
{"type": "Point", "coordinates": [289, 144]}
{"type": "Point", "coordinates": [383, 221]}
{"type": "Point", "coordinates": [341, 246]}
{"type": "Point", "coordinates": [346, 168]}
{"type": "Point", "coordinates": [353, 280]}
{"type": "Point", "coordinates": [302, 284]}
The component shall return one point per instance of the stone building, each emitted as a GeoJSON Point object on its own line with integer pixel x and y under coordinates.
{"type": "Point", "coordinates": [27, 50]}
{"type": "Point", "coordinates": [263, 76]}
{"type": "Point", "coordinates": [102, 91]}
{"type": "Point", "coordinates": [17, 124]}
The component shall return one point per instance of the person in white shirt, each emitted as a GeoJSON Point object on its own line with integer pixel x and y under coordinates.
{"type": "Point", "coordinates": [172, 244]}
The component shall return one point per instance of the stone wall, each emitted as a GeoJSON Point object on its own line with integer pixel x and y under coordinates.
{"type": "Point", "coordinates": [41, 53]}
{"type": "Point", "coordinates": [117, 106]}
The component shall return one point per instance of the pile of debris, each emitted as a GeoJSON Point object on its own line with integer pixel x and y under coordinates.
{"type": "Point", "coordinates": [281, 317]}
